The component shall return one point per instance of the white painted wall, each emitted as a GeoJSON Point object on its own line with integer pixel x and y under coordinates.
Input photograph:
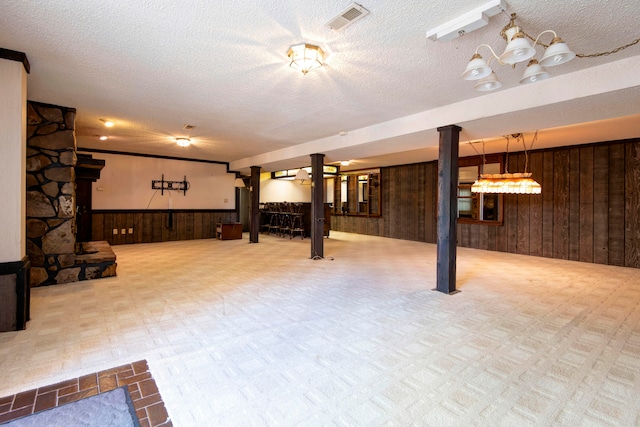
{"type": "Point", "coordinates": [125, 183]}
{"type": "Point", "coordinates": [283, 190]}
{"type": "Point", "coordinates": [13, 143]}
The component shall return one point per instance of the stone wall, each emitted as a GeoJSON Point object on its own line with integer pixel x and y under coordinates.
{"type": "Point", "coordinates": [51, 157]}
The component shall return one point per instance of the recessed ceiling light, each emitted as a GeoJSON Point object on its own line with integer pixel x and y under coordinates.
{"type": "Point", "coordinates": [107, 123]}
{"type": "Point", "coordinates": [343, 133]}
{"type": "Point", "coordinates": [345, 163]}
{"type": "Point", "coordinates": [183, 142]}
{"type": "Point", "coordinates": [104, 138]}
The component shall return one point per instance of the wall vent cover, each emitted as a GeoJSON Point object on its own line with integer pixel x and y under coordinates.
{"type": "Point", "coordinates": [347, 17]}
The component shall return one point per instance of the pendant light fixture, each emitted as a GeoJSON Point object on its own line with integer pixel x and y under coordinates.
{"type": "Point", "coordinates": [509, 183]}
{"type": "Point", "coordinates": [518, 50]}
{"type": "Point", "coordinates": [305, 57]}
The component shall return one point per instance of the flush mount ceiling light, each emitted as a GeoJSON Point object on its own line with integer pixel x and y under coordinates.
{"type": "Point", "coordinates": [104, 138]}
{"type": "Point", "coordinates": [107, 123]}
{"type": "Point", "coordinates": [305, 57]}
{"type": "Point", "coordinates": [183, 142]}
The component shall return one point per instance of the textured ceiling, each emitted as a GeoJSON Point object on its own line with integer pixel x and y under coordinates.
{"type": "Point", "coordinates": [153, 66]}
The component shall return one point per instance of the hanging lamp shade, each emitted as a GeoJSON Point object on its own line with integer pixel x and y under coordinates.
{"type": "Point", "coordinates": [510, 183]}
{"type": "Point", "coordinates": [534, 73]}
{"type": "Point", "coordinates": [302, 175]}
{"type": "Point", "coordinates": [488, 83]}
{"type": "Point", "coordinates": [477, 68]}
{"type": "Point", "coordinates": [518, 50]}
{"type": "Point", "coordinates": [305, 57]}
{"type": "Point", "coordinates": [557, 53]}
{"type": "Point", "coordinates": [239, 183]}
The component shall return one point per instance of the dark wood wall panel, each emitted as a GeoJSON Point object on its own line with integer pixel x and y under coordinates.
{"type": "Point", "coordinates": [632, 205]}
{"type": "Point", "coordinates": [586, 204]}
{"type": "Point", "coordinates": [574, 204]}
{"type": "Point", "coordinates": [601, 204]}
{"type": "Point", "coordinates": [561, 202]}
{"type": "Point", "coordinates": [588, 210]}
{"type": "Point", "coordinates": [153, 226]}
{"type": "Point", "coordinates": [524, 219]}
{"type": "Point", "coordinates": [616, 204]}
{"type": "Point", "coordinates": [547, 203]}
{"type": "Point", "coordinates": [535, 206]}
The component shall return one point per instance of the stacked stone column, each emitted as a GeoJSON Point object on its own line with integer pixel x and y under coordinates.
{"type": "Point", "coordinates": [51, 158]}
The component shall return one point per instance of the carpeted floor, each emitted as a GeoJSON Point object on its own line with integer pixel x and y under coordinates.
{"type": "Point", "coordinates": [244, 334]}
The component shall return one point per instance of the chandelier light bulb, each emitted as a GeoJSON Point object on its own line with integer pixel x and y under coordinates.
{"type": "Point", "coordinates": [476, 69]}
{"type": "Point", "coordinates": [557, 53]}
{"type": "Point", "coordinates": [488, 83]}
{"type": "Point", "coordinates": [534, 72]}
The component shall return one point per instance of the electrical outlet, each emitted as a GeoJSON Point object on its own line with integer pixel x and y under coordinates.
{"type": "Point", "coordinates": [115, 231]}
{"type": "Point", "coordinates": [123, 231]}
{"type": "Point", "coordinates": [131, 230]}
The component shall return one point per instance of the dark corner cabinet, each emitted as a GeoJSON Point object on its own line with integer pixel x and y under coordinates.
{"type": "Point", "coordinates": [14, 295]}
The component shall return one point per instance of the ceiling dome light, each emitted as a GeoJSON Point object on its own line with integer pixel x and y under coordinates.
{"type": "Point", "coordinates": [534, 73]}
{"type": "Point", "coordinates": [476, 68]}
{"type": "Point", "coordinates": [107, 123]}
{"type": "Point", "coordinates": [305, 57]}
{"type": "Point", "coordinates": [104, 138]}
{"type": "Point", "coordinates": [557, 53]}
{"type": "Point", "coordinates": [488, 83]}
{"type": "Point", "coordinates": [183, 142]}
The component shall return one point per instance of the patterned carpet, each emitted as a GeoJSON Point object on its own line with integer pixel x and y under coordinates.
{"type": "Point", "coordinates": [244, 334]}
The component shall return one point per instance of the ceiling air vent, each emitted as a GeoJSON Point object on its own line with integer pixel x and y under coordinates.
{"type": "Point", "coordinates": [347, 17]}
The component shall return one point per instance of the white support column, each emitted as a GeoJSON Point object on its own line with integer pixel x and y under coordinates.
{"type": "Point", "coordinates": [13, 143]}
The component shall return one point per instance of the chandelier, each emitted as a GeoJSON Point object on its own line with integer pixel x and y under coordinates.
{"type": "Point", "coordinates": [305, 57]}
{"type": "Point", "coordinates": [509, 183]}
{"type": "Point", "coordinates": [518, 50]}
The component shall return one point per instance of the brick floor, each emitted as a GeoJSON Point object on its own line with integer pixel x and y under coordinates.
{"type": "Point", "coordinates": [146, 398]}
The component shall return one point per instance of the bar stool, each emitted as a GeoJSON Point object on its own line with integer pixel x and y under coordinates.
{"type": "Point", "coordinates": [265, 218]}
{"type": "Point", "coordinates": [274, 221]}
{"type": "Point", "coordinates": [297, 225]}
{"type": "Point", "coordinates": [285, 218]}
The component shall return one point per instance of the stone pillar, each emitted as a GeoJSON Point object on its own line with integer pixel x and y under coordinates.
{"type": "Point", "coordinates": [14, 265]}
{"type": "Point", "coordinates": [51, 206]}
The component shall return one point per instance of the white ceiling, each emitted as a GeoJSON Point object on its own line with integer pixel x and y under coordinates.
{"type": "Point", "coordinates": [153, 66]}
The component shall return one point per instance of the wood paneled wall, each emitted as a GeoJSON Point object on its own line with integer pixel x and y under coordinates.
{"type": "Point", "coordinates": [589, 209]}
{"type": "Point", "coordinates": [153, 225]}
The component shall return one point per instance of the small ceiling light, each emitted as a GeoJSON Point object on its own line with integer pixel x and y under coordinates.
{"type": "Point", "coordinates": [183, 142]}
{"type": "Point", "coordinates": [345, 163]}
{"type": "Point", "coordinates": [104, 138]}
{"type": "Point", "coordinates": [305, 57]}
{"type": "Point", "coordinates": [107, 123]}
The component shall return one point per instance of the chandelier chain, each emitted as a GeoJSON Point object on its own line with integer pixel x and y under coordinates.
{"type": "Point", "coordinates": [511, 23]}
